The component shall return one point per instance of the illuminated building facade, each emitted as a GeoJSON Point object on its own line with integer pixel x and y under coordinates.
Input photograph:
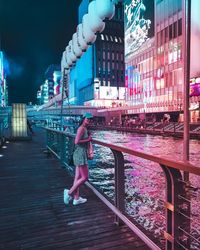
{"type": "Point", "coordinates": [3, 86]}
{"type": "Point", "coordinates": [98, 76]}
{"type": "Point", "coordinates": [51, 86]}
{"type": "Point", "coordinates": [43, 93]}
{"type": "Point", "coordinates": [154, 57]}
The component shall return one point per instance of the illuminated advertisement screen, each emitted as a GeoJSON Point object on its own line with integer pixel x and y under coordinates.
{"type": "Point", "coordinates": [195, 39]}
{"type": "Point", "coordinates": [139, 23]}
{"type": "Point", "coordinates": [195, 87]}
{"type": "Point", "coordinates": [108, 92]}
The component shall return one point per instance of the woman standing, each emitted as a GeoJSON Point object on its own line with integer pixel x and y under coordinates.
{"type": "Point", "coordinates": [80, 161]}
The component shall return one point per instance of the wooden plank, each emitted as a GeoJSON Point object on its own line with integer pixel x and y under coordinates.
{"type": "Point", "coordinates": [32, 213]}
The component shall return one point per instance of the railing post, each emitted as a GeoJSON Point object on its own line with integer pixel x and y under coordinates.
{"type": "Point", "coordinates": [119, 183]}
{"type": "Point", "coordinates": [175, 188]}
{"type": "Point", "coordinates": [48, 137]}
{"type": "Point", "coordinates": [62, 147]}
{"type": "Point", "coordinates": [69, 148]}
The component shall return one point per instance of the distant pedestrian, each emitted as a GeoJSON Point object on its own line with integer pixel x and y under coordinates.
{"type": "Point", "coordinates": [29, 126]}
{"type": "Point", "coordinates": [80, 161]}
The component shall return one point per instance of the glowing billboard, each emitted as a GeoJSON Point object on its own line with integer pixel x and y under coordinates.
{"type": "Point", "coordinates": [108, 92]}
{"type": "Point", "coordinates": [195, 39]}
{"type": "Point", "coordinates": [139, 23]}
{"type": "Point", "coordinates": [195, 86]}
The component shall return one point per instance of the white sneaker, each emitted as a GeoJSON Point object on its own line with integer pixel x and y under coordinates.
{"type": "Point", "coordinates": [67, 198]}
{"type": "Point", "coordinates": [80, 200]}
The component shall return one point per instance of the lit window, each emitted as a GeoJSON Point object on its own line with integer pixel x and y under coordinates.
{"type": "Point", "coordinates": [102, 37]}
{"type": "Point", "coordinates": [111, 38]}
{"type": "Point", "coordinates": [107, 38]}
{"type": "Point", "coordinates": [116, 39]}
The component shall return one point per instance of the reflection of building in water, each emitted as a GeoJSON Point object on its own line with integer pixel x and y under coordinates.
{"type": "Point", "coordinates": [154, 72]}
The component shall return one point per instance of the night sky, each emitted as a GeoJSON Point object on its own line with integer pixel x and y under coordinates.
{"type": "Point", "coordinates": [34, 33]}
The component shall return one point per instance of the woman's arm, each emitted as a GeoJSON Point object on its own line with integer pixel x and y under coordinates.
{"type": "Point", "coordinates": [79, 135]}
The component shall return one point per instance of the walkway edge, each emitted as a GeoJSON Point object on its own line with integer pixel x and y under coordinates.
{"type": "Point", "coordinates": [136, 230]}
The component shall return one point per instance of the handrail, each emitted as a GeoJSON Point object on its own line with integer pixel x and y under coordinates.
{"type": "Point", "coordinates": [180, 165]}
{"type": "Point", "coordinates": [177, 210]}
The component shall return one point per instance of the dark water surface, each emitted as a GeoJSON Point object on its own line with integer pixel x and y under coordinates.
{"type": "Point", "coordinates": [144, 180]}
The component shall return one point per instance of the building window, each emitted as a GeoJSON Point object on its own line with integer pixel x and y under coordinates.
{"type": "Point", "coordinates": [179, 27]}
{"type": "Point", "coordinates": [170, 32]}
{"type": "Point", "coordinates": [109, 67]}
{"type": "Point", "coordinates": [175, 29]}
{"type": "Point", "coordinates": [166, 34]}
{"type": "Point", "coordinates": [104, 54]}
{"type": "Point", "coordinates": [113, 56]}
{"type": "Point", "coordinates": [104, 66]}
{"type": "Point", "coordinates": [117, 56]}
{"type": "Point", "coordinates": [102, 37]}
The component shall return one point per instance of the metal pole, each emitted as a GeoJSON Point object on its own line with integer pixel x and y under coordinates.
{"type": "Point", "coordinates": [186, 68]}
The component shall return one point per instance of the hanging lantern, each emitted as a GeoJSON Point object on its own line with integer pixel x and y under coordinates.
{"type": "Point", "coordinates": [71, 52]}
{"type": "Point", "coordinates": [105, 9]}
{"type": "Point", "coordinates": [96, 23]}
{"type": "Point", "coordinates": [77, 49]}
{"type": "Point", "coordinates": [67, 56]}
{"type": "Point", "coordinates": [80, 38]}
{"type": "Point", "coordinates": [64, 63]}
{"type": "Point", "coordinates": [88, 34]}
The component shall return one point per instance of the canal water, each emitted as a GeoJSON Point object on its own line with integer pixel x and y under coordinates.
{"type": "Point", "coordinates": [144, 180]}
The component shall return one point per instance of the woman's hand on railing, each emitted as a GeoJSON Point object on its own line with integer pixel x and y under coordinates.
{"type": "Point", "coordinates": [89, 138]}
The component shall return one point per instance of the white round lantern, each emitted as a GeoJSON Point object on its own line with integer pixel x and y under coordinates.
{"type": "Point", "coordinates": [64, 63]}
{"type": "Point", "coordinates": [68, 57]}
{"type": "Point", "coordinates": [71, 52]}
{"type": "Point", "coordinates": [88, 34]}
{"type": "Point", "coordinates": [105, 9]}
{"type": "Point", "coordinates": [96, 23]}
{"type": "Point", "coordinates": [80, 39]}
{"type": "Point", "coordinates": [76, 46]}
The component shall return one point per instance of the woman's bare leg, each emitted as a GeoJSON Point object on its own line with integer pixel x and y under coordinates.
{"type": "Point", "coordinates": [77, 176]}
{"type": "Point", "coordinates": [83, 176]}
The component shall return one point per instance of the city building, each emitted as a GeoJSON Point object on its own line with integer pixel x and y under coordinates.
{"type": "Point", "coordinates": [3, 85]}
{"type": "Point", "coordinates": [154, 39]}
{"type": "Point", "coordinates": [97, 79]}
{"type": "Point", "coordinates": [51, 86]}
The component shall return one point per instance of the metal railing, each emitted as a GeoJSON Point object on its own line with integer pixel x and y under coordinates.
{"type": "Point", "coordinates": [182, 228]}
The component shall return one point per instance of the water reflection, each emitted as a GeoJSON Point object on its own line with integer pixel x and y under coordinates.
{"type": "Point", "coordinates": [144, 180]}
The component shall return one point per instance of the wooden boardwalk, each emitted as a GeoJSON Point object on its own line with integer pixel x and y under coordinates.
{"type": "Point", "coordinates": [32, 213]}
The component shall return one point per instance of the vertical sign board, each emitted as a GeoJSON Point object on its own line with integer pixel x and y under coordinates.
{"type": "Point", "coordinates": [195, 39]}
{"type": "Point", "coordinates": [19, 120]}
